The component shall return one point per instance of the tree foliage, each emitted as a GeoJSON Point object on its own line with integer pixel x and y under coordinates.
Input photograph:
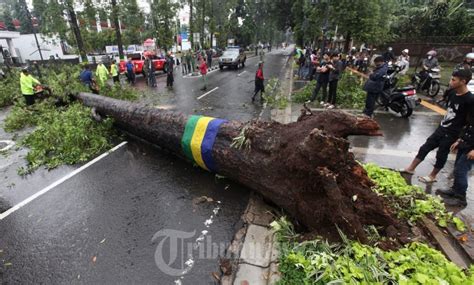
{"type": "Point", "coordinates": [442, 19]}
{"type": "Point", "coordinates": [163, 15]}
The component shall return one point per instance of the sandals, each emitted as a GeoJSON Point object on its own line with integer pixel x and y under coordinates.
{"type": "Point", "coordinates": [426, 179]}
{"type": "Point", "coordinates": [403, 170]}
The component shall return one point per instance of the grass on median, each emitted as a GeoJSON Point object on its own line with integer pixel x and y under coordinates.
{"type": "Point", "coordinates": [350, 262]}
{"type": "Point", "coordinates": [349, 92]}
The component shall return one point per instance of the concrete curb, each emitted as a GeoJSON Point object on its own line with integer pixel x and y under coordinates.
{"type": "Point", "coordinates": [254, 249]}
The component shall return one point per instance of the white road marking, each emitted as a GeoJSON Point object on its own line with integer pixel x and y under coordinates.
{"type": "Point", "coordinates": [58, 182]}
{"type": "Point", "coordinates": [241, 73]}
{"type": "Point", "coordinates": [205, 94]}
{"type": "Point", "coordinates": [394, 152]}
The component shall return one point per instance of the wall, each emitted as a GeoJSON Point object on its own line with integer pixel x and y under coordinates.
{"type": "Point", "coordinates": [446, 52]}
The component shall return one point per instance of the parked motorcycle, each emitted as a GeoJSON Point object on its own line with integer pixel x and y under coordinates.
{"type": "Point", "coordinates": [363, 65]}
{"type": "Point", "coordinates": [400, 101]}
{"type": "Point", "coordinates": [432, 89]}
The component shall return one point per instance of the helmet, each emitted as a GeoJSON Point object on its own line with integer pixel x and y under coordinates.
{"type": "Point", "coordinates": [470, 56]}
{"type": "Point", "coordinates": [390, 49]}
{"type": "Point", "coordinates": [24, 69]}
{"type": "Point", "coordinates": [405, 51]}
{"type": "Point", "coordinates": [432, 53]}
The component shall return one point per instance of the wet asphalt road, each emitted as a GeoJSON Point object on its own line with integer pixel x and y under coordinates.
{"type": "Point", "coordinates": [99, 226]}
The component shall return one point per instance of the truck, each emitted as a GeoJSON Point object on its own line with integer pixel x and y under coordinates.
{"type": "Point", "coordinates": [138, 60]}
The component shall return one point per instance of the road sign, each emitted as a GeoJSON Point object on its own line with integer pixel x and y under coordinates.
{"type": "Point", "coordinates": [196, 37]}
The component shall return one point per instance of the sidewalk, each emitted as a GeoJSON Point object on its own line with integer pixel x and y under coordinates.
{"type": "Point", "coordinates": [254, 248]}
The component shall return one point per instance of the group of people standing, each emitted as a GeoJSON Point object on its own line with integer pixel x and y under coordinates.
{"type": "Point", "coordinates": [325, 69]}
{"type": "Point", "coordinates": [190, 60]}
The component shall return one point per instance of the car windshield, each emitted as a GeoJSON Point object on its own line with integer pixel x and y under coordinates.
{"type": "Point", "coordinates": [135, 56]}
{"type": "Point", "coordinates": [231, 53]}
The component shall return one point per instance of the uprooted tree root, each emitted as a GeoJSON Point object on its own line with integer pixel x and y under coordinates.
{"type": "Point", "coordinates": [304, 167]}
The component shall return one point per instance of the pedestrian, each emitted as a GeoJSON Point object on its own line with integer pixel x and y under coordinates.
{"type": "Point", "coordinates": [374, 85]}
{"type": "Point", "coordinates": [114, 72]}
{"type": "Point", "coordinates": [460, 102]}
{"type": "Point", "coordinates": [169, 71]}
{"type": "Point", "coordinates": [323, 80]}
{"type": "Point", "coordinates": [184, 64]}
{"type": "Point", "coordinates": [307, 65]}
{"type": "Point", "coordinates": [102, 75]}
{"type": "Point", "coordinates": [314, 65]}
{"type": "Point", "coordinates": [335, 70]}
{"type": "Point", "coordinates": [262, 55]}
{"type": "Point", "coordinates": [130, 71]}
{"type": "Point", "coordinates": [189, 61]}
{"type": "Point", "coordinates": [259, 83]}
{"type": "Point", "coordinates": [27, 86]}
{"type": "Point", "coordinates": [87, 79]}
{"type": "Point", "coordinates": [150, 72]}
{"type": "Point", "coordinates": [203, 69]}
{"type": "Point", "coordinates": [209, 58]}
{"type": "Point", "coordinates": [456, 195]}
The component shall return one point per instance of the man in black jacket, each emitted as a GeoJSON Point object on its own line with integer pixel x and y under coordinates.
{"type": "Point", "coordinates": [336, 67]}
{"type": "Point", "coordinates": [460, 102]}
{"type": "Point", "coordinates": [456, 196]}
{"type": "Point", "coordinates": [374, 85]}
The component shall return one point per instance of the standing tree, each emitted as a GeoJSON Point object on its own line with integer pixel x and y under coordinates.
{"type": "Point", "coordinates": [163, 13]}
{"type": "Point", "coordinates": [133, 20]}
{"type": "Point", "coordinates": [7, 18]}
{"type": "Point", "coordinates": [21, 13]}
{"type": "Point", "coordinates": [53, 21]}
{"type": "Point", "coordinates": [72, 18]}
{"type": "Point", "coordinates": [118, 34]}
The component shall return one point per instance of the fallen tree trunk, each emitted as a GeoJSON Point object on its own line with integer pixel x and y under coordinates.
{"type": "Point", "coordinates": [303, 167]}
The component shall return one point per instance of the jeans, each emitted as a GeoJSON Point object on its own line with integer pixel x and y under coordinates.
{"type": "Point", "coordinates": [370, 103]}
{"type": "Point", "coordinates": [439, 139]}
{"type": "Point", "coordinates": [332, 92]}
{"type": "Point", "coordinates": [462, 166]}
{"type": "Point", "coordinates": [319, 85]}
{"type": "Point", "coordinates": [169, 79]}
{"type": "Point", "coordinates": [204, 80]}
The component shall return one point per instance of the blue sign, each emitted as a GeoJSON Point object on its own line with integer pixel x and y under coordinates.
{"type": "Point", "coordinates": [184, 36]}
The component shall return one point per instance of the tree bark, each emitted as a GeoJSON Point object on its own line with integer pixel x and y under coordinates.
{"type": "Point", "coordinates": [191, 23]}
{"type": "Point", "coordinates": [304, 167]}
{"type": "Point", "coordinates": [76, 30]}
{"type": "Point", "coordinates": [118, 34]}
{"type": "Point", "coordinates": [347, 47]}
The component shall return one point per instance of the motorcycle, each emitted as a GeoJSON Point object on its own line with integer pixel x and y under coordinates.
{"type": "Point", "coordinates": [400, 101]}
{"type": "Point", "coordinates": [433, 78]}
{"type": "Point", "coordinates": [363, 65]}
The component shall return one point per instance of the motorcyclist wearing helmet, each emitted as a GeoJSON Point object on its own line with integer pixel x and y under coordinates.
{"type": "Point", "coordinates": [389, 55]}
{"type": "Point", "coordinates": [430, 61]}
{"type": "Point", "coordinates": [467, 63]}
{"type": "Point", "coordinates": [428, 64]}
{"type": "Point", "coordinates": [404, 62]}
